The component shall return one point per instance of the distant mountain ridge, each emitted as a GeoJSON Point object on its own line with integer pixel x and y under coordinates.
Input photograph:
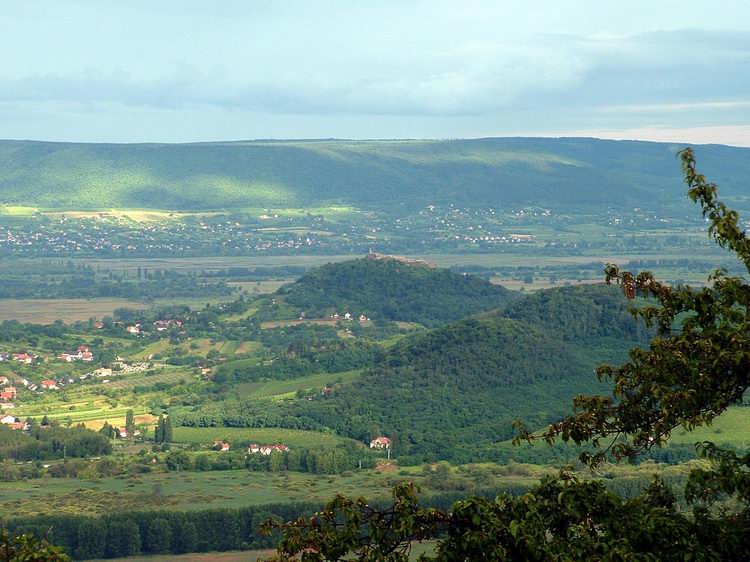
{"type": "Point", "coordinates": [565, 173]}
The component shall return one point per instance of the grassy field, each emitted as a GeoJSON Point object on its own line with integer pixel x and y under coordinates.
{"type": "Point", "coordinates": [151, 349]}
{"type": "Point", "coordinates": [233, 556]}
{"type": "Point", "coordinates": [168, 375]}
{"type": "Point", "coordinates": [46, 311]}
{"type": "Point", "coordinates": [243, 555]}
{"type": "Point", "coordinates": [182, 491]}
{"type": "Point", "coordinates": [519, 258]}
{"type": "Point", "coordinates": [731, 428]}
{"type": "Point", "coordinates": [283, 388]}
{"type": "Point", "coordinates": [290, 437]}
{"type": "Point", "coordinates": [88, 409]}
{"type": "Point", "coordinates": [212, 263]}
{"type": "Point", "coordinates": [260, 287]}
{"type": "Point", "coordinates": [281, 323]}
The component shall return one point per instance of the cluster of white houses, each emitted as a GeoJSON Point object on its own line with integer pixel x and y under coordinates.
{"type": "Point", "coordinates": [159, 326]}
{"type": "Point", "coordinates": [348, 317]}
{"type": "Point", "coordinates": [221, 445]}
{"type": "Point", "coordinates": [83, 353]}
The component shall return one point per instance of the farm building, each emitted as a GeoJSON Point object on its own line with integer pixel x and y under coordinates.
{"type": "Point", "coordinates": [380, 443]}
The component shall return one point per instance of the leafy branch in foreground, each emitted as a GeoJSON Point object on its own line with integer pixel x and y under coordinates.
{"type": "Point", "coordinates": [696, 366]}
{"type": "Point", "coordinates": [27, 548]}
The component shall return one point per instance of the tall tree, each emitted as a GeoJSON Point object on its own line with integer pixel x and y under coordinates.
{"type": "Point", "coordinates": [159, 431]}
{"type": "Point", "coordinates": [130, 423]}
{"type": "Point", "coordinates": [167, 435]}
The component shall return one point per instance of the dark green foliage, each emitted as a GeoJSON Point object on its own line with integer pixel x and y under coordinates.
{"type": "Point", "coordinates": [392, 290]}
{"type": "Point", "coordinates": [129, 423]}
{"type": "Point", "coordinates": [158, 536]}
{"type": "Point", "coordinates": [52, 442]}
{"type": "Point", "coordinates": [163, 430]}
{"type": "Point", "coordinates": [49, 279]}
{"type": "Point", "coordinates": [123, 538]}
{"type": "Point", "coordinates": [579, 314]}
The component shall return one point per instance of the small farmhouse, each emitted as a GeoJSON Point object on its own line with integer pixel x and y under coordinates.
{"type": "Point", "coordinates": [380, 443]}
{"type": "Point", "coordinates": [220, 445]}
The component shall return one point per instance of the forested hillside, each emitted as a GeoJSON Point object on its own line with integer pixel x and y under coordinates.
{"type": "Point", "coordinates": [454, 392]}
{"type": "Point", "coordinates": [389, 289]}
{"type": "Point", "coordinates": [579, 313]}
{"type": "Point", "coordinates": [573, 174]}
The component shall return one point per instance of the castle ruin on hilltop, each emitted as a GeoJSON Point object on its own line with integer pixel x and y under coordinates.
{"type": "Point", "coordinates": [402, 259]}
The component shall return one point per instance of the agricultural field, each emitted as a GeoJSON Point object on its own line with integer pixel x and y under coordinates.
{"type": "Point", "coordinates": [287, 388]}
{"type": "Point", "coordinates": [264, 435]}
{"type": "Point", "coordinates": [233, 556]}
{"type": "Point", "coordinates": [731, 428]}
{"type": "Point", "coordinates": [46, 311]}
{"type": "Point", "coordinates": [244, 555]}
{"type": "Point", "coordinates": [183, 491]}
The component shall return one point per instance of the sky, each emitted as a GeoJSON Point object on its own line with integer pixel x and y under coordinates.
{"type": "Point", "coordinates": [169, 71]}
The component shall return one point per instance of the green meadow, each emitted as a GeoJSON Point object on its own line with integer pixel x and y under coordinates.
{"type": "Point", "coordinates": [263, 435]}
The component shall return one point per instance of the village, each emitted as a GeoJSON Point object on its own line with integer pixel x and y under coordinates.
{"type": "Point", "coordinates": [107, 236]}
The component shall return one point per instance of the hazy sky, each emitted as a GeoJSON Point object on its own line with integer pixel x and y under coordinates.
{"type": "Point", "coordinates": [173, 71]}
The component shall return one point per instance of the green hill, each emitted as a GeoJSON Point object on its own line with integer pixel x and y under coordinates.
{"type": "Point", "coordinates": [575, 174]}
{"type": "Point", "coordinates": [579, 313]}
{"type": "Point", "coordinates": [392, 289]}
{"type": "Point", "coordinates": [454, 392]}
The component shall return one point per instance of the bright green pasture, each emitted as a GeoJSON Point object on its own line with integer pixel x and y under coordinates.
{"type": "Point", "coordinates": [265, 435]}
{"type": "Point", "coordinates": [284, 387]}
{"type": "Point", "coordinates": [166, 375]}
{"type": "Point", "coordinates": [46, 311]}
{"type": "Point", "coordinates": [730, 428]}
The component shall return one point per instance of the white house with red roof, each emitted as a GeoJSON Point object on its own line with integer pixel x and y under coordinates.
{"type": "Point", "coordinates": [221, 445]}
{"type": "Point", "coordinates": [49, 384]}
{"type": "Point", "coordinates": [380, 443]}
{"type": "Point", "coordinates": [27, 358]}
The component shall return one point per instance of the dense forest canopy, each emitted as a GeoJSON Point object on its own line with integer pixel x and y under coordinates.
{"type": "Point", "coordinates": [389, 289]}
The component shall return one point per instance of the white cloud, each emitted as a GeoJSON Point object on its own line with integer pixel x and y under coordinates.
{"type": "Point", "coordinates": [481, 67]}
